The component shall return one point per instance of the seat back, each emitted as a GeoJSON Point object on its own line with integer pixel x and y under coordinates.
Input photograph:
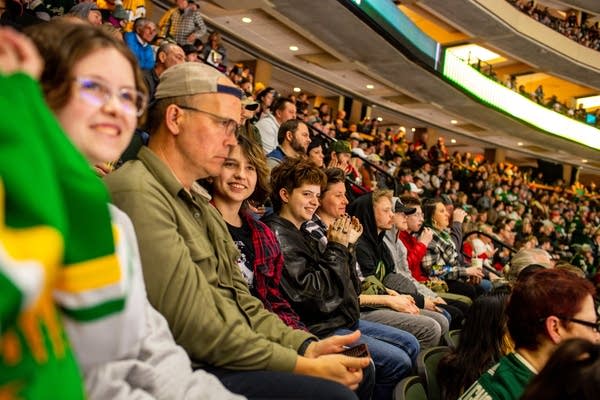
{"type": "Point", "coordinates": [452, 337]}
{"type": "Point", "coordinates": [410, 388]}
{"type": "Point", "coordinates": [427, 364]}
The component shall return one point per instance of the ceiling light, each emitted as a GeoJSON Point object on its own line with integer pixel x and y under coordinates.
{"type": "Point", "coordinates": [412, 129]}
{"type": "Point", "coordinates": [297, 90]}
{"type": "Point", "coordinates": [584, 161]}
{"type": "Point", "coordinates": [246, 20]}
{"type": "Point", "coordinates": [370, 87]}
{"type": "Point", "coordinates": [294, 48]}
{"type": "Point", "coordinates": [453, 121]}
{"type": "Point", "coordinates": [452, 141]}
{"type": "Point", "coordinates": [519, 143]}
{"type": "Point", "coordinates": [379, 119]}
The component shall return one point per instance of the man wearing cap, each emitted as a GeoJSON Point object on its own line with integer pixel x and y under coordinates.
{"type": "Point", "coordinates": [189, 258]}
{"type": "Point", "coordinates": [283, 109]}
{"type": "Point", "coordinates": [293, 139]}
{"type": "Point", "coordinates": [183, 23]}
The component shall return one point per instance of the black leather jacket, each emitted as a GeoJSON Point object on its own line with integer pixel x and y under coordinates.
{"type": "Point", "coordinates": [322, 288]}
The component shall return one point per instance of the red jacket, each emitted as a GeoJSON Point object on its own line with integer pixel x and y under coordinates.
{"type": "Point", "coordinates": [415, 251]}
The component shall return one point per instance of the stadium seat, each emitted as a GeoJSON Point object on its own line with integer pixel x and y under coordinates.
{"type": "Point", "coordinates": [427, 364]}
{"type": "Point", "coordinates": [410, 388]}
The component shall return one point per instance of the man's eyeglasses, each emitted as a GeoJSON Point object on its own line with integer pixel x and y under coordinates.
{"type": "Point", "coordinates": [594, 325]}
{"type": "Point", "coordinates": [98, 93]}
{"type": "Point", "coordinates": [228, 125]}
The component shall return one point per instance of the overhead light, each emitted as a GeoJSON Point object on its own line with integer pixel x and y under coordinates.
{"type": "Point", "coordinates": [403, 129]}
{"type": "Point", "coordinates": [453, 121]}
{"type": "Point", "coordinates": [584, 161]}
{"type": "Point", "coordinates": [379, 119]}
{"type": "Point", "coordinates": [294, 48]}
{"type": "Point", "coordinates": [297, 90]}
{"type": "Point", "coordinates": [519, 143]}
{"type": "Point", "coordinates": [246, 20]}
{"type": "Point", "coordinates": [452, 141]}
{"type": "Point", "coordinates": [370, 87]}
{"type": "Point", "coordinates": [412, 129]}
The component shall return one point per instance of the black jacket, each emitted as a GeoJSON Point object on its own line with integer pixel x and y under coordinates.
{"type": "Point", "coordinates": [322, 288]}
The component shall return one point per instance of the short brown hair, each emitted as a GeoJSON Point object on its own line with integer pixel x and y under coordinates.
{"type": "Point", "coordinates": [293, 173]}
{"type": "Point", "coordinates": [543, 293]}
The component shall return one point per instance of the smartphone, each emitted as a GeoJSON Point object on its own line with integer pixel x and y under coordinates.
{"type": "Point", "coordinates": [360, 350]}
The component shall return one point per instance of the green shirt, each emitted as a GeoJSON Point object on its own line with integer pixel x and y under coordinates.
{"type": "Point", "coordinates": [506, 380]}
{"type": "Point", "coordinates": [191, 274]}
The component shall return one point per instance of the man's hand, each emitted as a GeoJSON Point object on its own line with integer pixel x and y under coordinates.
{"type": "Point", "coordinates": [439, 300]}
{"type": "Point", "coordinates": [331, 345]}
{"type": "Point", "coordinates": [475, 272]}
{"type": "Point", "coordinates": [335, 367]}
{"type": "Point", "coordinates": [431, 305]}
{"type": "Point", "coordinates": [19, 54]}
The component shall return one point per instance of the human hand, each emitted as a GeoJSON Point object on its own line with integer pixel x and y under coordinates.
{"type": "Point", "coordinates": [439, 300]}
{"type": "Point", "coordinates": [431, 305]}
{"type": "Point", "coordinates": [331, 345]}
{"type": "Point", "coordinates": [402, 303]}
{"type": "Point", "coordinates": [474, 272]}
{"type": "Point", "coordinates": [426, 236]}
{"type": "Point", "coordinates": [19, 54]}
{"type": "Point", "coordinates": [356, 230]}
{"type": "Point", "coordinates": [338, 230]}
{"type": "Point", "coordinates": [458, 215]}
{"type": "Point", "coordinates": [335, 367]}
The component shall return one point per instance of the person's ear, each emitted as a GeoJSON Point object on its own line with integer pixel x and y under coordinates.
{"type": "Point", "coordinates": [173, 115]}
{"type": "Point", "coordinates": [284, 195]}
{"type": "Point", "coordinates": [162, 57]}
{"type": "Point", "coordinates": [289, 135]}
{"type": "Point", "coordinates": [554, 329]}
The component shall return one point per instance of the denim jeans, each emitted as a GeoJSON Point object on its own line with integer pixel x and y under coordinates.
{"type": "Point", "coordinates": [393, 351]}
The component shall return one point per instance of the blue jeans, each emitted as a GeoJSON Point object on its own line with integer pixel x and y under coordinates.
{"type": "Point", "coordinates": [393, 351]}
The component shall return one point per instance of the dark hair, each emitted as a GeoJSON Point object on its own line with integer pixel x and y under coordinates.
{"type": "Point", "coordinates": [291, 126]}
{"type": "Point", "coordinates": [62, 45]}
{"type": "Point", "coordinates": [429, 209]}
{"type": "Point", "coordinates": [291, 174]}
{"type": "Point", "coordinates": [410, 201]}
{"type": "Point", "coordinates": [334, 175]}
{"type": "Point", "coordinates": [571, 373]}
{"type": "Point", "coordinates": [542, 294]}
{"type": "Point", "coordinates": [279, 104]}
{"type": "Point", "coordinates": [481, 344]}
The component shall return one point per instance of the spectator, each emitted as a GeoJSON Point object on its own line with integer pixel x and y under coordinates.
{"type": "Point", "coordinates": [544, 309]}
{"type": "Point", "coordinates": [572, 373]}
{"type": "Point", "coordinates": [100, 66]}
{"type": "Point", "coordinates": [182, 24]}
{"type": "Point", "coordinates": [214, 53]}
{"type": "Point", "coordinates": [282, 110]}
{"type": "Point", "coordinates": [265, 98]}
{"type": "Point", "coordinates": [483, 341]}
{"type": "Point", "coordinates": [293, 139]}
{"type": "Point", "coordinates": [192, 276]}
{"type": "Point", "coordinates": [322, 287]}
{"type": "Point", "coordinates": [315, 152]}
{"type": "Point", "coordinates": [167, 55]}
{"type": "Point", "coordinates": [88, 12]}
{"type": "Point", "coordinates": [139, 42]}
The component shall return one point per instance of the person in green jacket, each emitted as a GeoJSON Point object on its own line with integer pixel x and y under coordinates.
{"type": "Point", "coordinates": [190, 260]}
{"type": "Point", "coordinates": [546, 307]}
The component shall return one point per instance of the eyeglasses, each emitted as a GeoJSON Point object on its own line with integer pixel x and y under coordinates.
{"type": "Point", "coordinates": [98, 93]}
{"type": "Point", "coordinates": [594, 325]}
{"type": "Point", "coordinates": [228, 125]}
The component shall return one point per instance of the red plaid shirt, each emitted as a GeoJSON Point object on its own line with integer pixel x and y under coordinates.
{"type": "Point", "coordinates": [268, 264]}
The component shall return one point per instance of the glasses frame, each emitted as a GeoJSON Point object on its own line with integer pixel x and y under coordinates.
{"type": "Point", "coordinates": [219, 120]}
{"type": "Point", "coordinates": [110, 93]}
{"type": "Point", "coordinates": [594, 325]}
